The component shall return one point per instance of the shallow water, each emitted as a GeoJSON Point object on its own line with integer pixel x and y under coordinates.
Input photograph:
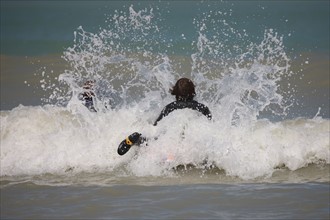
{"type": "Point", "coordinates": [197, 201]}
{"type": "Point", "coordinates": [188, 193]}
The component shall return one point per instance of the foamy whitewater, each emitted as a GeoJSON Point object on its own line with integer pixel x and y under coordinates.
{"type": "Point", "coordinates": [243, 83]}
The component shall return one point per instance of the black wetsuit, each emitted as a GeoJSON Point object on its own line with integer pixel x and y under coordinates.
{"type": "Point", "coordinates": [181, 104]}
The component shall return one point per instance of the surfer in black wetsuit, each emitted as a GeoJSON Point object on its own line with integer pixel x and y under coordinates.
{"type": "Point", "coordinates": [88, 95]}
{"type": "Point", "coordinates": [184, 92]}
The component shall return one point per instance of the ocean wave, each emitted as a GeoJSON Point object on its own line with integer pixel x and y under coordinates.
{"type": "Point", "coordinates": [56, 140]}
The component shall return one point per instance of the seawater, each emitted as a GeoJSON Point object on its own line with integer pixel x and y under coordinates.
{"type": "Point", "coordinates": [265, 153]}
{"type": "Point", "coordinates": [202, 201]}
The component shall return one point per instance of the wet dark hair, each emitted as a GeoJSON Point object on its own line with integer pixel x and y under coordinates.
{"type": "Point", "coordinates": [89, 84]}
{"type": "Point", "coordinates": [184, 89]}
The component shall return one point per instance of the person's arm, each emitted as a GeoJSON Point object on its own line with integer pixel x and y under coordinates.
{"type": "Point", "coordinates": [160, 117]}
{"type": "Point", "coordinates": [207, 113]}
{"type": "Point", "coordinates": [204, 110]}
{"type": "Point", "coordinates": [167, 110]}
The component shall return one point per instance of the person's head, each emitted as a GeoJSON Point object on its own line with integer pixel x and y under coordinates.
{"type": "Point", "coordinates": [89, 84]}
{"type": "Point", "coordinates": [184, 89]}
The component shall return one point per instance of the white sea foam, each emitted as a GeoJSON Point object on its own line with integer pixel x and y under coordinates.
{"type": "Point", "coordinates": [48, 139]}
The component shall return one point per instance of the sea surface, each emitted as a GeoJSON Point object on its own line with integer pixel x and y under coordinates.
{"type": "Point", "coordinates": [262, 68]}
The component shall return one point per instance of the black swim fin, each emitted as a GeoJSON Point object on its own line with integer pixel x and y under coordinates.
{"type": "Point", "coordinates": [126, 144]}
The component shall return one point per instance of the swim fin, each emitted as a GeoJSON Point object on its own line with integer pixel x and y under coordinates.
{"type": "Point", "coordinates": [126, 144]}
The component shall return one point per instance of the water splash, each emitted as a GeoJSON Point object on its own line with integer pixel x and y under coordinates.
{"type": "Point", "coordinates": [236, 77]}
{"type": "Point", "coordinates": [226, 65]}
